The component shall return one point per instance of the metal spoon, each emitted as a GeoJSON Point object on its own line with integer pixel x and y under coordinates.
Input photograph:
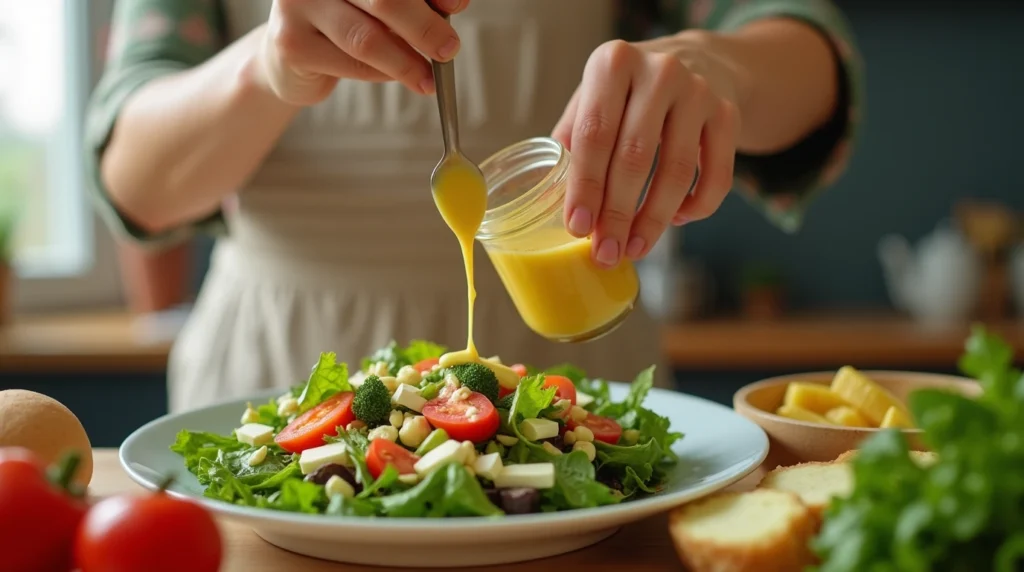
{"type": "Point", "coordinates": [447, 106]}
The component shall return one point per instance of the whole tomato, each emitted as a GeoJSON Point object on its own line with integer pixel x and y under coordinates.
{"type": "Point", "coordinates": [39, 517]}
{"type": "Point", "coordinates": [151, 533]}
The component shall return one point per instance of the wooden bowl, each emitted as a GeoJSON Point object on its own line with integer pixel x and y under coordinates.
{"type": "Point", "coordinates": [795, 441]}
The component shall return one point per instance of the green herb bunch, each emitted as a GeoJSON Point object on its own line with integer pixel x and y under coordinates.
{"type": "Point", "coordinates": [963, 513]}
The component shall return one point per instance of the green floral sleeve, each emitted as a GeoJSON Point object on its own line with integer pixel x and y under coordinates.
{"type": "Point", "coordinates": [784, 184]}
{"type": "Point", "coordinates": [147, 39]}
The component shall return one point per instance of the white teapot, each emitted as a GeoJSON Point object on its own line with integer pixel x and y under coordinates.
{"type": "Point", "coordinates": [938, 282]}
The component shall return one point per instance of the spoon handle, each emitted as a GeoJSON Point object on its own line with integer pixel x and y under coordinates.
{"type": "Point", "coordinates": [447, 106]}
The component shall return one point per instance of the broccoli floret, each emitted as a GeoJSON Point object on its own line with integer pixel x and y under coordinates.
{"type": "Point", "coordinates": [372, 402]}
{"type": "Point", "coordinates": [506, 402]}
{"type": "Point", "coordinates": [477, 377]}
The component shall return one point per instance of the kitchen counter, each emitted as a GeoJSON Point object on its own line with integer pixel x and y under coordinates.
{"type": "Point", "coordinates": [641, 547]}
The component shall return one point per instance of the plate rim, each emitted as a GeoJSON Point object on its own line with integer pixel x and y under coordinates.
{"type": "Point", "coordinates": [655, 504]}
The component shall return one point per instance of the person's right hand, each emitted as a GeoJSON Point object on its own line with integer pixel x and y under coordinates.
{"type": "Point", "coordinates": [309, 45]}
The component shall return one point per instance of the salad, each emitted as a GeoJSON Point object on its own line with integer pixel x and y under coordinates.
{"type": "Point", "coordinates": [405, 437]}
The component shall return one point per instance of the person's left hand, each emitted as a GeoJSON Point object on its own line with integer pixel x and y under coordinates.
{"type": "Point", "coordinates": [633, 97]}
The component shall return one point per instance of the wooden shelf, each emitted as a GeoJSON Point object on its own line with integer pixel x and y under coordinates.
{"type": "Point", "coordinates": [112, 341]}
{"type": "Point", "coordinates": [115, 341]}
{"type": "Point", "coordinates": [822, 340]}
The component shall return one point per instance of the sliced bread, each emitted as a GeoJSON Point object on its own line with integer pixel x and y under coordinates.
{"type": "Point", "coordinates": [815, 483]}
{"type": "Point", "coordinates": [763, 530]}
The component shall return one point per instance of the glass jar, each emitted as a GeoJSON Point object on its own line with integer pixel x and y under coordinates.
{"type": "Point", "coordinates": [558, 290]}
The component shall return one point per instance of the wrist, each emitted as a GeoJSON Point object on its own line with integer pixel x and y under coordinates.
{"type": "Point", "coordinates": [252, 79]}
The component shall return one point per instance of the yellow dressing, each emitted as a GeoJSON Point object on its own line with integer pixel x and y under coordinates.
{"type": "Point", "coordinates": [461, 197]}
{"type": "Point", "coordinates": [557, 289]}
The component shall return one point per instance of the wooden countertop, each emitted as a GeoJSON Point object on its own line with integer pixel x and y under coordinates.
{"type": "Point", "coordinates": [117, 341]}
{"type": "Point", "coordinates": [641, 547]}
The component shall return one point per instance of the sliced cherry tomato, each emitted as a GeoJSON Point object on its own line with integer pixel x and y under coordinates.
{"type": "Point", "coordinates": [382, 453]}
{"type": "Point", "coordinates": [37, 529]}
{"type": "Point", "coordinates": [519, 369]}
{"type": "Point", "coordinates": [308, 430]}
{"type": "Point", "coordinates": [564, 388]}
{"type": "Point", "coordinates": [426, 365]}
{"type": "Point", "coordinates": [455, 417]}
{"type": "Point", "coordinates": [605, 429]}
{"type": "Point", "coordinates": [157, 533]}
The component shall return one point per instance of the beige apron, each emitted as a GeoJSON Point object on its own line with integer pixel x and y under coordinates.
{"type": "Point", "coordinates": [336, 245]}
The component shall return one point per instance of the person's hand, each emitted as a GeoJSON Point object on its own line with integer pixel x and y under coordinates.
{"type": "Point", "coordinates": [671, 92]}
{"type": "Point", "coordinates": [309, 45]}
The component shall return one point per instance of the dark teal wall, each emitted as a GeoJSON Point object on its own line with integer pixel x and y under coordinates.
{"type": "Point", "coordinates": [943, 120]}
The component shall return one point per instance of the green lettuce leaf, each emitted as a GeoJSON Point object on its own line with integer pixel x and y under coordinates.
{"type": "Point", "coordinates": [397, 357]}
{"type": "Point", "coordinates": [575, 485]}
{"type": "Point", "coordinates": [327, 378]}
{"type": "Point", "coordinates": [448, 491]}
{"type": "Point", "coordinates": [297, 495]}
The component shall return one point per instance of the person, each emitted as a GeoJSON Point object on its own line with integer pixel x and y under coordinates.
{"type": "Point", "coordinates": [302, 133]}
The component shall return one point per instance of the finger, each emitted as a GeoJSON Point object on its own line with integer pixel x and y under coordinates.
{"type": "Point", "coordinates": [417, 23]}
{"type": "Point", "coordinates": [677, 163]}
{"type": "Point", "coordinates": [451, 6]}
{"type": "Point", "coordinates": [717, 159]}
{"type": "Point", "coordinates": [365, 39]}
{"type": "Point", "coordinates": [595, 129]}
{"type": "Point", "coordinates": [639, 134]}
{"type": "Point", "coordinates": [314, 53]}
{"type": "Point", "coordinates": [563, 129]}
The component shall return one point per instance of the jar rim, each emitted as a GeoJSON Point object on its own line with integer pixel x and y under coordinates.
{"type": "Point", "coordinates": [553, 153]}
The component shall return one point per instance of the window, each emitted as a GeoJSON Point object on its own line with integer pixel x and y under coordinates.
{"type": "Point", "coordinates": [45, 79]}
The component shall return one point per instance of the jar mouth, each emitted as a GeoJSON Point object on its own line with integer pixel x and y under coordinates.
{"type": "Point", "coordinates": [524, 182]}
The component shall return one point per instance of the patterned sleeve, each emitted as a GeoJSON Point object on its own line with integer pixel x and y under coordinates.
{"type": "Point", "coordinates": [147, 39]}
{"type": "Point", "coordinates": [784, 183]}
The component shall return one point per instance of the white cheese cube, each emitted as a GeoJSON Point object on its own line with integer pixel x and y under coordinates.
{"type": "Point", "coordinates": [255, 434]}
{"type": "Point", "coordinates": [532, 476]}
{"type": "Point", "coordinates": [331, 453]}
{"type": "Point", "coordinates": [409, 397]}
{"type": "Point", "coordinates": [357, 379]}
{"type": "Point", "coordinates": [583, 399]}
{"type": "Point", "coordinates": [450, 451]}
{"type": "Point", "coordinates": [488, 466]}
{"type": "Point", "coordinates": [537, 429]}
{"type": "Point", "coordinates": [337, 486]}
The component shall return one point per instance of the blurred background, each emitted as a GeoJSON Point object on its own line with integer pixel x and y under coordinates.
{"type": "Point", "coordinates": [918, 239]}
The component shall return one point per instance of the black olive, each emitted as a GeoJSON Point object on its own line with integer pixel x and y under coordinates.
{"type": "Point", "coordinates": [324, 473]}
{"type": "Point", "coordinates": [609, 480]}
{"type": "Point", "coordinates": [520, 501]}
{"type": "Point", "coordinates": [493, 495]}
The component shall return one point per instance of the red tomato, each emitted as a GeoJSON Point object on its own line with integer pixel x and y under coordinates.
{"type": "Point", "coordinates": [519, 369]}
{"type": "Point", "coordinates": [37, 529]}
{"type": "Point", "coordinates": [502, 392]}
{"type": "Point", "coordinates": [605, 429]}
{"type": "Point", "coordinates": [382, 453]}
{"type": "Point", "coordinates": [308, 429]}
{"type": "Point", "coordinates": [564, 388]}
{"type": "Point", "coordinates": [157, 533]}
{"type": "Point", "coordinates": [450, 415]}
{"type": "Point", "coordinates": [426, 365]}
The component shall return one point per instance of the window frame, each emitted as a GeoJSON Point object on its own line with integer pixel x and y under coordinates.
{"type": "Point", "coordinates": [95, 281]}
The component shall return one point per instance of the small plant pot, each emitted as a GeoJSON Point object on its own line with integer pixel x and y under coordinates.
{"type": "Point", "coordinates": [155, 280]}
{"type": "Point", "coordinates": [763, 303]}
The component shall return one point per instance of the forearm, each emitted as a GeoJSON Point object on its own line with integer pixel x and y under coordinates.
{"type": "Point", "coordinates": [787, 83]}
{"type": "Point", "coordinates": [184, 141]}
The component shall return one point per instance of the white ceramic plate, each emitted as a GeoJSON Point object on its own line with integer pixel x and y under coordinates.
{"type": "Point", "coordinates": [719, 448]}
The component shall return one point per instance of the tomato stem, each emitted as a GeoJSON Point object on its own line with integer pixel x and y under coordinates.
{"type": "Point", "coordinates": [164, 484]}
{"type": "Point", "coordinates": [63, 472]}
